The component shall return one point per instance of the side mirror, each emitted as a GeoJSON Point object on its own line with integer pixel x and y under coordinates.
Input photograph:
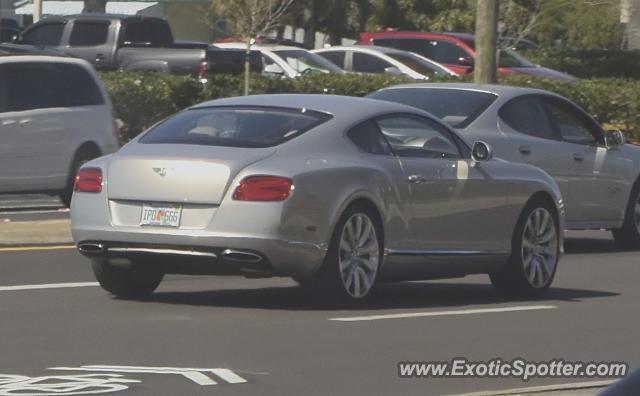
{"type": "Point", "coordinates": [273, 69]}
{"type": "Point", "coordinates": [394, 71]}
{"type": "Point", "coordinates": [481, 152]}
{"type": "Point", "coordinates": [614, 139]}
{"type": "Point", "coordinates": [465, 61]}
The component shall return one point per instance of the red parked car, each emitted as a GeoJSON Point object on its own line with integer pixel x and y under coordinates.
{"type": "Point", "coordinates": [456, 51]}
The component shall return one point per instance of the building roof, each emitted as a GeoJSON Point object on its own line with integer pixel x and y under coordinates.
{"type": "Point", "coordinates": [56, 7]}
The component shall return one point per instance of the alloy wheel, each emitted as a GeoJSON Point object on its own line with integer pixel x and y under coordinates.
{"type": "Point", "coordinates": [359, 255]}
{"type": "Point", "coordinates": [539, 248]}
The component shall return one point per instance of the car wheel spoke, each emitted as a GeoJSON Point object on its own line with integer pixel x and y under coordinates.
{"type": "Point", "coordinates": [539, 248]}
{"type": "Point", "coordinates": [359, 255]}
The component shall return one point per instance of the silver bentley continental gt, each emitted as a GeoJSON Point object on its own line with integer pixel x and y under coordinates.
{"type": "Point", "coordinates": [598, 174]}
{"type": "Point", "coordinates": [337, 192]}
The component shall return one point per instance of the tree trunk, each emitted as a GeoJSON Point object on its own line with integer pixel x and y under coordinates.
{"type": "Point", "coordinates": [632, 10]}
{"type": "Point", "coordinates": [247, 67]}
{"type": "Point", "coordinates": [486, 42]}
{"type": "Point", "coordinates": [94, 6]}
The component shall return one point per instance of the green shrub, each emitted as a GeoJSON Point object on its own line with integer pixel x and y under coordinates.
{"type": "Point", "coordinates": [592, 63]}
{"type": "Point", "coordinates": [142, 99]}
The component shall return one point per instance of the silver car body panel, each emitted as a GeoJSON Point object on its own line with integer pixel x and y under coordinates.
{"type": "Point", "coordinates": [465, 209]}
{"type": "Point", "coordinates": [38, 145]}
{"type": "Point", "coordinates": [596, 189]}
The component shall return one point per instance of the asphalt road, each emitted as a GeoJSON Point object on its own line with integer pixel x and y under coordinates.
{"type": "Point", "coordinates": [267, 333]}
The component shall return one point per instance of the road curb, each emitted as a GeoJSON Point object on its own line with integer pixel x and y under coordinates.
{"type": "Point", "coordinates": [36, 233]}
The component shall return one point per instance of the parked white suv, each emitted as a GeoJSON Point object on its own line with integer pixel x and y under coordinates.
{"type": "Point", "coordinates": [54, 116]}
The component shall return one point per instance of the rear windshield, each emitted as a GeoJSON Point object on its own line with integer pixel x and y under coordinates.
{"type": "Point", "coordinates": [235, 126]}
{"type": "Point", "coordinates": [418, 65]}
{"type": "Point", "coordinates": [455, 107]}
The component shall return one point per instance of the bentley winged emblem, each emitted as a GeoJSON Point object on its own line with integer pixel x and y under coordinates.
{"type": "Point", "coordinates": [160, 171]}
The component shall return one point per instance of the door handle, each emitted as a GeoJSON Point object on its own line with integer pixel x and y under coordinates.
{"type": "Point", "coordinates": [99, 58]}
{"type": "Point", "coordinates": [526, 150]}
{"type": "Point", "coordinates": [417, 179]}
{"type": "Point", "coordinates": [24, 121]}
{"type": "Point", "coordinates": [578, 157]}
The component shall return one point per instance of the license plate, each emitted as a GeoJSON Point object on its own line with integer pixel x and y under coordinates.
{"type": "Point", "coordinates": [161, 215]}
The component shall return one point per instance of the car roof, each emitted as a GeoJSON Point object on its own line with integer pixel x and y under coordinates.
{"type": "Point", "coordinates": [42, 58]}
{"type": "Point", "coordinates": [259, 47]}
{"type": "Point", "coordinates": [499, 90]}
{"type": "Point", "coordinates": [96, 16]}
{"type": "Point", "coordinates": [364, 48]}
{"type": "Point", "coordinates": [337, 105]}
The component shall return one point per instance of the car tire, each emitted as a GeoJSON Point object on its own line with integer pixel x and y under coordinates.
{"type": "Point", "coordinates": [628, 237]}
{"type": "Point", "coordinates": [351, 266]}
{"type": "Point", "coordinates": [83, 156]}
{"type": "Point", "coordinates": [132, 282]}
{"type": "Point", "coordinates": [535, 251]}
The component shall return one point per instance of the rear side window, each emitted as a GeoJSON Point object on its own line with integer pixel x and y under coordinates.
{"type": "Point", "coordinates": [89, 33]}
{"type": "Point", "coordinates": [365, 63]}
{"type": "Point", "coordinates": [456, 107]}
{"type": "Point", "coordinates": [47, 34]}
{"type": "Point", "coordinates": [235, 126]}
{"type": "Point", "coordinates": [527, 115]}
{"type": "Point", "coordinates": [367, 137]}
{"type": "Point", "coordinates": [56, 85]}
{"type": "Point", "coordinates": [335, 57]}
{"type": "Point", "coordinates": [148, 33]}
{"type": "Point", "coordinates": [79, 87]}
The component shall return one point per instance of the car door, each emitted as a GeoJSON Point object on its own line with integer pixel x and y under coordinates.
{"type": "Point", "coordinates": [44, 34]}
{"type": "Point", "coordinates": [92, 40]}
{"type": "Point", "coordinates": [367, 63]}
{"type": "Point", "coordinates": [338, 58]}
{"type": "Point", "coordinates": [455, 205]}
{"type": "Point", "coordinates": [530, 137]}
{"type": "Point", "coordinates": [597, 175]}
{"type": "Point", "coordinates": [34, 157]}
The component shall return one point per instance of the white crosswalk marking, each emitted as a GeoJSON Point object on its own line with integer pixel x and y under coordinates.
{"type": "Point", "coordinates": [197, 375]}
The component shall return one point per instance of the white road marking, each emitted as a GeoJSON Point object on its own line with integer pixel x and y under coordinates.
{"type": "Point", "coordinates": [36, 248]}
{"type": "Point", "coordinates": [49, 286]}
{"type": "Point", "coordinates": [63, 385]}
{"type": "Point", "coordinates": [196, 375]}
{"type": "Point", "coordinates": [539, 389]}
{"type": "Point", "coordinates": [444, 313]}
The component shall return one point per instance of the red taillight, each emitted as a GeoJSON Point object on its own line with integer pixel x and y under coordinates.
{"type": "Point", "coordinates": [263, 188]}
{"type": "Point", "coordinates": [89, 180]}
{"type": "Point", "coordinates": [202, 69]}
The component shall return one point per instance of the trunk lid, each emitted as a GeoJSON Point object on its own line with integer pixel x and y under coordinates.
{"type": "Point", "coordinates": [177, 173]}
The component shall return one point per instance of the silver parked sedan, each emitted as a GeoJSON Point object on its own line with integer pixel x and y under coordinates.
{"type": "Point", "coordinates": [597, 172]}
{"type": "Point", "coordinates": [336, 192]}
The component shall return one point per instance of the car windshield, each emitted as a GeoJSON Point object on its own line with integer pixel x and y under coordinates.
{"type": "Point", "coordinates": [235, 126]}
{"type": "Point", "coordinates": [418, 64]}
{"type": "Point", "coordinates": [456, 107]}
{"type": "Point", "coordinates": [307, 62]}
{"type": "Point", "coordinates": [510, 58]}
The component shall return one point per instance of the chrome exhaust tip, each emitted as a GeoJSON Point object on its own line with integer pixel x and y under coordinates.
{"type": "Point", "coordinates": [240, 256]}
{"type": "Point", "coordinates": [91, 248]}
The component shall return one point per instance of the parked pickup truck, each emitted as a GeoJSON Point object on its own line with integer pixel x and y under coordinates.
{"type": "Point", "coordinates": [132, 43]}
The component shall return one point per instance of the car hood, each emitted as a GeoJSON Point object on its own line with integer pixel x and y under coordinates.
{"type": "Point", "coordinates": [541, 71]}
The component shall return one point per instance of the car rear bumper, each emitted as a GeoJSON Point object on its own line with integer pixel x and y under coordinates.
{"type": "Point", "coordinates": [205, 253]}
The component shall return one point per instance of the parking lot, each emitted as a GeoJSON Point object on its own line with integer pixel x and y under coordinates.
{"type": "Point", "coordinates": [267, 333]}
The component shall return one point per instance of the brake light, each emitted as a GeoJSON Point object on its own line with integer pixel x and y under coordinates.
{"type": "Point", "coordinates": [202, 69]}
{"type": "Point", "coordinates": [263, 188]}
{"type": "Point", "coordinates": [89, 180]}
